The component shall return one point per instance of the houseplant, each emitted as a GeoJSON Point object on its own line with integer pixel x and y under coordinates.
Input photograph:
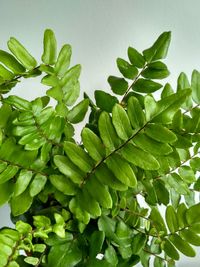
{"type": "Point", "coordinates": [72, 202]}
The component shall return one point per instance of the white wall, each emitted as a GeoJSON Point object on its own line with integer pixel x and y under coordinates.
{"type": "Point", "coordinates": [100, 31]}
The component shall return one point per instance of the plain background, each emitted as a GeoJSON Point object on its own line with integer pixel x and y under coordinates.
{"type": "Point", "coordinates": [99, 32]}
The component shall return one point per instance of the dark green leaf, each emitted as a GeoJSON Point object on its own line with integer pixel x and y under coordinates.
{"type": "Point", "coordinates": [182, 245]}
{"type": "Point", "coordinates": [156, 70]}
{"type": "Point", "coordinates": [171, 219]}
{"type": "Point", "coordinates": [118, 85]}
{"type": "Point", "coordinates": [195, 85]}
{"type": "Point", "coordinates": [63, 184]}
{"type": "Point", "coordinates": [126, 69]}
{"type": "Point", "coordinates": [193, 214]}
{"type": "Point", "coordinates": [21, 203]}
{"type": "Point", "coordinates": [160, 133]}
{"type": "Point", "coordinates": [146, 86]}
{"type": "Point", "coordinates": [77, 113]}
{"type": "Point", "coordinates": [104, 100]}
{"type": "Point", "coordinates": [135, 57]}
{"type": "Point", "coordinates": [170, 250]}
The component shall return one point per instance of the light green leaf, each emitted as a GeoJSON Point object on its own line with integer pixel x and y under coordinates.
{"type": "Point", "coordinates": [6, 191]}
{"type": "Point", "coordinates": [78, 156]}
{"type": "Point", "coordinates": [135, 113]}
{"type": "Point", "coordinates": [63, 184]}
{"type": "Point", "coordinates": [158, 262]}
{"type": "Point", "coordinates": [159, 49]}
{"type": "Point", "coordinates": [193, 214]}
{"type": "Point", "coordinates": [182, 245]}
{"type": "Point", "coordinates": [191, 237]}
{"type": "Point", "coordinates": [18, 102]}
{"type": "Point", "coordinates": [79, 213]}
{"type": "Point", "coordinates": [22, 182]}
{"type": "Point", "coordinates": [167, 91]}
{"type": "Point", "coordinates": [63, 60]}
{"type": "Point", "coordinates": [157, 220]}
{"type": "Point", "coordinates": [8, 173]}
{"type": "Point", "coordinates": [150, 106]}
{"type": "Point", "coordinates": [111, 255]}
{"type": "Point", "coordinates": [108, 226]}
{"type": "Point", "coordinates": [21, 203]}
{"type": "Point", "coordinates": [66, 167]}
{"type": "Point", "coordinates": [77, 113]}
{"type": "Point", "coordinates": [93, 144]}
{"type": "Point", "coordinates": [143, 159]}
{"type": "Point", "coordinates": [10, 62]}
{"type": "Point", "coordinates": [49, 51]}
{"type": "Point", "coordinates": [122, 170]}
{"type": "Point", "coordinates": [127, 70]}
{"type": "Point", "coordinates": [135, 58]}
{"type": "Point", "coordinates": [160, 133]}
{"type": "Point", "coordinates": [104, 100]}
{"type": "Point", "coordinates": [21, 54]}
{"type": "Point", "coordinates": [182, 84]}
{"type": "Point", "coordinates": [121, 122]}
{"type": "Point", "coordinates": [171, 219]}
{"type": "Point", "coordinates": [118, 85]}
{"type": "Point", "coordinates": [181, 215]}
{"type": "Point", "coordinates": [146, 86]}
{"type": "Point", "coordinates": [187, 174]}
{"type": "Point", "coordinates": [37, 184]}
{"type": "Point", "coordinates": [195, 85]}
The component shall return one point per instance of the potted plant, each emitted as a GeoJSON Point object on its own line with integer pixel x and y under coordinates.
{"type": "Point", "coordinates": [78, 203]}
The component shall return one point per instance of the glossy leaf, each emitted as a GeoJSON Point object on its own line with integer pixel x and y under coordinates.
{"type": "Point", "coordinates": [135, 113]}
{"type": "Point", "coordinates": [49, 52]}
{"type": "Point", "coordinates": [182, 245]}
{"type": "Point", "coordinates": [135, 57]}
{"type": "Point", "coordinates": [118, 85]}
{"type": "Point", "coordinates": [146, 86]}
{"type": "Point", "coordinates": [77, 113]}
{"type": "Point", "coordinates": [105, 101]}
{"type": "Point", "coordinates": [126, 69]}
{"type": "Point", "coordinates": [63, 60]}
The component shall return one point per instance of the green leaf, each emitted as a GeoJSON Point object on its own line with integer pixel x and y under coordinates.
{"type": "Point", "coordinates": [79, 213]}
{"type": "Point", "coordinates": [135, 113]}
{"type": "Point", "coordinates": [6, 191]}
{"type": "Point", "coordinates": [93, 144]}
{"type": "Point", "coordinates": [111, 255]}
{"type": "Point", "coordinates": [49, 50]}
{"type": "Point", "coordinates": [195, 83]}
{"type": "Point", "coordinates": [127, 70]}
{"type": "Point", "coordinates": [170, 250]}
{"type": "Point", "coordinates": [182, 245]}
{"type": "Point", "coordinates": [143, 160]}
{"type": "Point", "coordinates": [18, 102]}
{"type": "Point", "coordinates": [66, 167]}
{"type": "Point", "coordinates": [160, 133]}
{"type": "Point", "coordinates": [157, 220]}
{"type": "Point", "coordinates": [105, 176]}
{"type": "Point", "coordinates": [122, 170]}
{"type": "Point", "coordinates": [121, 122]}
{"type": "Point", "coordinates": [156, 70]}
{"type": "Point", "coordinates": [181, 215]}
{"type": "Point", "coordinates": [78, 156]}
{"type": "Point", "coordinates": [99, 192]}
{"type": "Point", "coordinates": [104, 100]}
{"type": "Point", "coordinates": [22, 182]}
{"type": "Point", "coordinates": [21, 54]}
{"type": "Point", "coordinates": [146, 86]}
{"type": "Point", "coordinates": [135, 58]}
{"type": "Point", "coordinates": [167, 107]}
{"type": "Point", "coordinates": [31, 260]}
{"type": "Point", "coordinates": [150, 106]}
{"type": "Point", "coordinates": [124, 235]}
{"type": "Point", "coordinates": [87, 203]}
{"type": "Point", "coordinates": [182, 84]}
{"type": "Point", "coordinates": [64, 255]}
{"type": "Point", "coordinates": [10, 62]}
{"type": "Point", "coordinates": [107, 132]}
{"type": "Point", "coordinates": [159, 49]}
{"type": "Point", "coordinates": [167, 91]}
{"type": "Point", "coordinates": [37, 184]}
{"type": "Point", "coordinates": [118, 85]}
{"type": "Point", "coordinates": [187, 174]}
{"type": "Point", "coordinates": [158, 262]}
{"type": "Point", "coordinates": [149, 145]}
{"type": "Point", "coordinates": [63, 60]}
{"type": "Point", "coordinates": [63, 184]}
{"type": "Point", "coordinates": [77, 113]}
{"type": "Point", "coordinates": [193, 214]}
{"type": "Point", "coordinates": [8, 173]}
{"type": "Point", "coordinates": [96, 243]}
{"type": "Point", "coordinates": [162, 192]}
{"type": "Point", "coordinates": [191, 237]}
{"type": "Point", "coordinates": [139, 241]}
{"type": "Point", "coordinates": [195, 164]}
{"type": "Point", "coordinates": [21, 203]}
{"type": "Point", "coordinates": [6, 74]}
{"type": "Point", "coordinates": [108, 226]}
{"type": "Point", "coordinates": [171, 219]}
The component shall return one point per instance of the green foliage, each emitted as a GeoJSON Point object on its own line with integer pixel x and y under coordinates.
{"type": "Point", "coordinates": [71, 201]}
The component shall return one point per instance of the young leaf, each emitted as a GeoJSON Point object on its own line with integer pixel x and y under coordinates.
{"type": "Point", "coordinates": [146, 86]}
{"type": "Point", "coordinates": [63, 60]}
{"type": "Point", "coordinates": [77, 113]}
{"type": "Point", "coordinates": [11, 63]}
{"type": "Point", "coordinates": [49, 52]}
{"type": "Point", "coordinates": [135, 58]}
{"type": "Point", "coordinates": [126, 69]}
{"type": "Point", "coordinates": [121, 122]}
{"type": "Point", "coordinates": [159, 49]}
{"type": "Point", "coordinates": [195, 86]}
{"type": "Point", "coordinates": [104, 100]}
{"type": "Point", "coordinates": [118, 85]}
{"type": "Point", "coordinates": [21, 54]}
